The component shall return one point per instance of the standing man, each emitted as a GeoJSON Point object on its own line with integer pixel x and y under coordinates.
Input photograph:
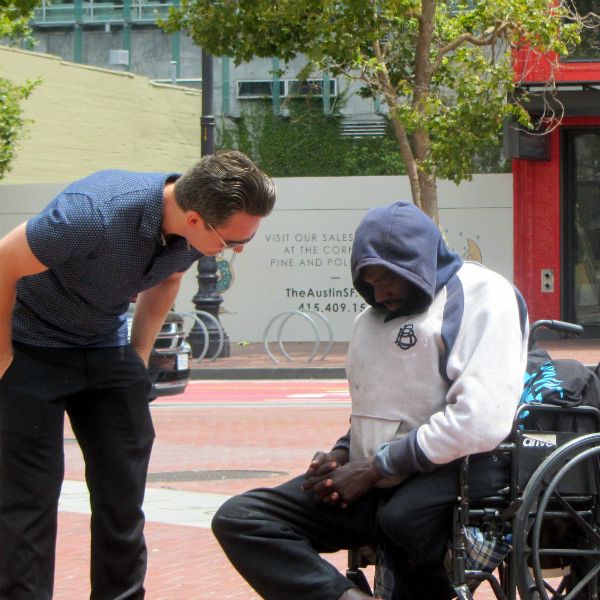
{"type": "Point", "coordinates": [67, 276]}
{"type": "Point", "coordinates": [435, 368]}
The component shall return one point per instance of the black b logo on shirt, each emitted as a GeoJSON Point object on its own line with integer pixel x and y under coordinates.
{"type": "Point", "coordinates": [406, 337]}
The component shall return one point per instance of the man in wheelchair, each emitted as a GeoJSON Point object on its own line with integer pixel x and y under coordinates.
{"type": "Point", "coordinates": [435, 368]}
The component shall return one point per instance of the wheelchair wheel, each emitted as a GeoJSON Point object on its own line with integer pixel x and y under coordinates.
{"type": "Point", "coordinates": [556, 532]}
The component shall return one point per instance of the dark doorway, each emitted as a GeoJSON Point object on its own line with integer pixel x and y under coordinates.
{"type": "Point", "coordinates": [581, 228]}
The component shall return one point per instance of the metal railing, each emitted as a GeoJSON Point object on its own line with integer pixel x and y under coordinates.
{"type": "Point", "coordinates": [100, 12]}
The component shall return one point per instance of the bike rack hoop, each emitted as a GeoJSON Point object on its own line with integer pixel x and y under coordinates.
{"type": "Point", "coordinates": [308, 317]}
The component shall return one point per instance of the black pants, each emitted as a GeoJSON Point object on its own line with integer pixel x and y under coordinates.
{"type": "Point", "coordinates": [274, 536]}
{"type": "Point", "coordinates": [105, 393]}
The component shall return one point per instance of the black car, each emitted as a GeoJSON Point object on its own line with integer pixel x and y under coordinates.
{"type": "Point", "coordinates": [169, 364]}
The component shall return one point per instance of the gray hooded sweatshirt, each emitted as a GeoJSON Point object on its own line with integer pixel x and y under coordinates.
{"type": "Point", "coordinates": [442, 378]}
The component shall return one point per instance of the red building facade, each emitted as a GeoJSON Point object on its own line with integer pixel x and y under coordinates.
{"type": "Point", "coordinates": [557, 192]}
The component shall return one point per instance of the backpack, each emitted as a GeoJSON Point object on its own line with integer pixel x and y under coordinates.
{"type": "Point", "coordinates": [563, 383]}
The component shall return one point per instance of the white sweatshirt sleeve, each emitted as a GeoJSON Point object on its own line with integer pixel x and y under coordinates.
{"type": "Point", "coordinates": [486, 366]}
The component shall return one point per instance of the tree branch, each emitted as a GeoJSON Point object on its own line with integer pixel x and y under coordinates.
{"type": "Point", "coordinates": [487, 39]}
{"type": "Point", "coordinates": [423, 66]}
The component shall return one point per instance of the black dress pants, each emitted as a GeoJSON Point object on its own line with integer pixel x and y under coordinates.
{"type": "Point", "coordinates": [274, 537]}
{"type": "Point", "coordinates": [104, 391]}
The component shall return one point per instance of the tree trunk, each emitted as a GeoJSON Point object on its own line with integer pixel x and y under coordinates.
{"type": "Point", "coordinates": [421, 143]}
{"type": "Point", "coordinates": [406, 151]}
{"type": "Point", "coordinates": [429, 203]}
{"type": "Point", "coordinates": [415, 149]}
{"type": "Point", "coordinates": [408, 159]}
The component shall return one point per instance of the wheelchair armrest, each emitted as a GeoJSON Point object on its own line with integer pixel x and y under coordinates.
{"type": "Point", "coordinates": [589, 412]}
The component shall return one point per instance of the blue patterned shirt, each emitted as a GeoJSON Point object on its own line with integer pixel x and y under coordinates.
{"type": "Point", "coordinates": [102, 243]}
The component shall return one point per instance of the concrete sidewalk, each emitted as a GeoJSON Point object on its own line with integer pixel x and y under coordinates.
{"type": "Point", "coordinates": [251, 361]}
{"type": "Point", "coordinates": [172, 507]}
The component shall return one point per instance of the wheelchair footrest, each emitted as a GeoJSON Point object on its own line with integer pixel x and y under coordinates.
{"type": "Point", "coordinates": [357, 577]}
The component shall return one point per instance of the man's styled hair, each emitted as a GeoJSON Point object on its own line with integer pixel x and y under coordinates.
{"type": "Point", "coordinates": [222, 184]}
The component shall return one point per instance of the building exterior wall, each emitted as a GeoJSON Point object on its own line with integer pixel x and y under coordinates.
{"type": "Point", "coordinates": [152, 50]}
{"type": "Point", "coordinates": [84, 119]}
{"type": "Point", "coordinates": [88, 118]}
{"type": "Point", "coordinates": [347, 102]}
{"type": "Point", "coordinates": [539, 226]}
{"type": "Point", "coordinates": [532, 66]}
{"type": "Point", "coordinates": [301, 255]}
{"type": "Point", "coordinates": [537, 230]}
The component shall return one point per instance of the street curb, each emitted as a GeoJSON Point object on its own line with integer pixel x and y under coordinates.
{"type": "Point", "coordinates": [239, 373]}
{"type": "Point", "coordinates": [269, 373]}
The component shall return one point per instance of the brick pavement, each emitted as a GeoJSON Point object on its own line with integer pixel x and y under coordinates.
{"type": "Point", "coordinates": [185, 563]}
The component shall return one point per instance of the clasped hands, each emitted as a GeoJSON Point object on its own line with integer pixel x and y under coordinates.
{"type": "Point", "coordinates": [334, 480]}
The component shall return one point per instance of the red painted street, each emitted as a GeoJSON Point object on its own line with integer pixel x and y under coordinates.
{"type": "Point", "coordinates": [262, 392]}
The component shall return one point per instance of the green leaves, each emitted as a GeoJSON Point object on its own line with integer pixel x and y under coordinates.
{"type": "Point", "coordinates": [339, 31]}
{"type": "Point", "coordinates": [12, 121]}
{"type": "Point", "coordinates": [443, 67]}
{"type": "Point", "coordinates": [14, 19]}
{"type": "Point", "coordinates": [307, 143]}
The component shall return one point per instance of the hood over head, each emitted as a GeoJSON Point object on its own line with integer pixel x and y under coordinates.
{"type": "Point", "coordinates": [403, 239]}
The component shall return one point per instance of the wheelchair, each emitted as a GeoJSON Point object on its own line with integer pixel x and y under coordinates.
{"type": "Point", "coordinates": [547, 520]}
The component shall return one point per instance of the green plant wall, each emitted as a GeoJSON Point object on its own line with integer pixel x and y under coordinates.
{"type": "Point", "coordinates": [307, 143]}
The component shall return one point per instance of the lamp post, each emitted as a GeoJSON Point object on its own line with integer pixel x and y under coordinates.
{"type": "Point", "coordinates": [207, 299]}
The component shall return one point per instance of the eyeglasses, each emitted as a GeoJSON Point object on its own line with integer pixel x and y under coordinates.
{"type": "Point", "coordinates": [231, 244]}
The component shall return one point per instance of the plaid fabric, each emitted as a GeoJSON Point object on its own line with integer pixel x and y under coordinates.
{"type": "Point", "coordinates": [384, 573]}
{"type": "Point", "coordinates": [484, 551]}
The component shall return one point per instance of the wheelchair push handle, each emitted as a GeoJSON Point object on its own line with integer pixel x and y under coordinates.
{"type": "Point", "coordinates": [554, 325]}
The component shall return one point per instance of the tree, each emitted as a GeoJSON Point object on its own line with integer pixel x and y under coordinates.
{"type": "Point", "coordinates": [12, 122]}
{"type": "Point", "coordinates": [14, 19]}
{"type": "Point", "coordinates": [443, 67]}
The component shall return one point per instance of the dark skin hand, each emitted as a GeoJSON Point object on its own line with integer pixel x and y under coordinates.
{"type": "Point", "coordinates": [335, 481]}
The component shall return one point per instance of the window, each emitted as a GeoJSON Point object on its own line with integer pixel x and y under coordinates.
{"type": "Point", "coordinates": [258, 88]}
{"type": "Point", "coordinates": [309, 87]}
{"type": "Point", "coordinates": [263, 88]}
